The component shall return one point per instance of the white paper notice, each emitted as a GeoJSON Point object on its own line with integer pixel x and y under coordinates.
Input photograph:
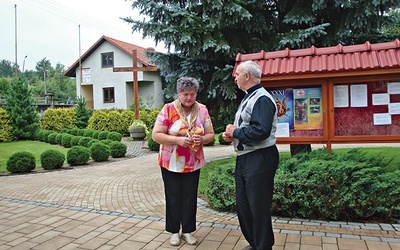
{"type": "Point", "coordinates": [282, 129]}
{"type": "Point", "coordinates": [393, 88]}
{"type": "Point", "coordinates": [358, 95]}
{"type": "Point", "coordinates": [380, 99]}
{"type": "Point", "coordinates": [382, 119]}
{"type": "Point", "coordinates": [341, 96]}
{"type": "Point", "coordinates": [394, 108]}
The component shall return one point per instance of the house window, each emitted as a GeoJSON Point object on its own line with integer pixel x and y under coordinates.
{"type": "Point", "coordinates": [107, 60]}
{"type": "Point", "coordinates": [108, 95]}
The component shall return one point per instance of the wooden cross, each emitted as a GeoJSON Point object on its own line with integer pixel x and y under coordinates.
{"type": "Point", "coordinates": [135, 69]}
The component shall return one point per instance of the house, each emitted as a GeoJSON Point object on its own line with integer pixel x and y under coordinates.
{"type": "Point", "coordinates": [339, 94]}
{"type": "Point", "coordinates": [104, 87]}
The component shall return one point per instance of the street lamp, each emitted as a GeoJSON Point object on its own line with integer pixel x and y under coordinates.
{"type": "Point", "coordinates": [23, 65]}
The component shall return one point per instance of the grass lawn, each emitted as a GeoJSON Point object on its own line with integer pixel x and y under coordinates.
{"type": "Point", "coordinates": [34, 147]}
{"type": "Point", "coordinates": [387, 152]}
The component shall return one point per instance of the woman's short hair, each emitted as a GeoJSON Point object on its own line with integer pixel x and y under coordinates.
{"type": "Point", "coordinates": [185, 83]}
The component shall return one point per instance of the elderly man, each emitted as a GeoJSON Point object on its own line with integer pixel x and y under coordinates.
{"type": "Point", "coordinates": [253, 134]}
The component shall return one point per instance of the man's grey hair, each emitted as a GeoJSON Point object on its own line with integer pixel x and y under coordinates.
{"type": "Point", "coordinates": [252, 68]}
{"type": "Point", "coordinates": [185, 83]}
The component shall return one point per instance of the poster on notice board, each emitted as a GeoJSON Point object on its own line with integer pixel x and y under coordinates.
{"type": "Point", "coordinates": [307, 108]}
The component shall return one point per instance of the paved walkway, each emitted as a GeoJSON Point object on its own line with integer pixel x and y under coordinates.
{"type": "Point", "coordinates": [120, 205]}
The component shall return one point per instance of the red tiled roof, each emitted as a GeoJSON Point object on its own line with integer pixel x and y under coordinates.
{"type": "Point", "coordinates": [123, 46]}
{"type": "Point", "coordinates": [326, 60]}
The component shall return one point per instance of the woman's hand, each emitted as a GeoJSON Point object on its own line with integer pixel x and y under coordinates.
{"type": "Point", "coordinates": [197, 140]}
{"type": "Point", "coordinates": [184, 141]}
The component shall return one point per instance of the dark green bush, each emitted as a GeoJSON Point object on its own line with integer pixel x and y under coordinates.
{"type": "Point", "coordinates": [45, 135]}
{"type": "Point", "coordinates": [78, 155]}
{"type": "Point", "coordinates": [80, 132]}
{"type": "Point", "coordinates": [153, 146]}
{"type": "Point", "coordinates": [114, 136]}
{"type": "Point", "coordinates": [319, 185]}
{"type": "Point", "coordinates": [354, 186]}
{"type": "Point", "coordinates": [91, 142]}
{"type": "Point", "coordinates": [83, 141]}
{"type": "Point", "coordinates": [106, 142]}
{"type": "Point", "coordinates": [66, 130]}
{"type": "Point", "coordinates": [100, 151]}
{"type": "Point", "coordinates": [88, 132]}
{"type": "Point", "coordinates": [52, 159]}
{"type": "Point", "coordinates": [21, 162]}
{"type": "Point", "coordinates": [66, 140]}
{"type": "Point", "coordinates": [118, 149]}
{"type": "Point", "coordinates": [59, 138]}
{"type": "Point", "coordinates": [75, 141]}
{"type": "Point", "coordinates": [103, 135]}
{"type": "Point", "coordinates": [96, 134]}
{"type": "Point", "coordinates": [74, 131]}
{"type": "Point", "coordinates": [222, 141]}
{"type": "Point", "coordinates": [221, 188]}
{"type": "Point", "coordinates": [52, 138]}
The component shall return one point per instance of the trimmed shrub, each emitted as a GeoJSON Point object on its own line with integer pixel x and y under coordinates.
{"type": "Point", "coordinates": [91, 142]}
{"type": "Point", "coordinates": [66, 140]}
{"type": "Point", "coordinates": [39, 134]}
{"type": "Point", "coordinates": [153, 146]}
{"type": "Point", "coordinates": [114, 136]}
{"type": "Point", "coordinates": [83, 141]}
{"type": "Point", "coordinates": [222, 141]}
{"type": "Point", "coordinates": [75, 141]}
{"type": "Point", "coordinates": [52, 159]}
{"type": "Point", "coordinates": [88, 132]}
{"type": "Point", "coordinates": [45, 135]}
{"type": "Point", "coordinates": [96, 134]}
{"type": "Point", "coordinates": [80, 132]}
{"type": "Point", "coordinates": [74, 131]}
{"type": "Point", "coordinates": [221, 188]}
{"type": "Point", "coordinates": [100, 151]}
{"type": "Point", "coordinates": [21, 162]}
{"type": "Point", "coordinates": [59, 138]}
{"type": "Point", "coordinates": [103, 135]}
{"type": "Point", "coordinates": [78, 155]}
{"type": "Point", "coordinates": [118, 149]}
{"type": "Point", "coordinates": [52, 138]}
{"type": "Point", "coordinates": [106, 142]}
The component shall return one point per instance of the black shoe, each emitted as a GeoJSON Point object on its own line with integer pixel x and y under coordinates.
{"type": "Point", "coordinates": [248, 248]}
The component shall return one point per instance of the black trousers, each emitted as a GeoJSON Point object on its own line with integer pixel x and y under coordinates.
{"type": "Point", "coordinates": [254, 178]}
{"type": "Point", "coordinates": [181, 200]}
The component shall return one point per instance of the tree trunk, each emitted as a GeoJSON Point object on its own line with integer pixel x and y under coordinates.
{"type": "Point", "coordinates": [299, 148]}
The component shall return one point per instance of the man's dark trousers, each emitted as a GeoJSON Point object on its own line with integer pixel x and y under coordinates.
{"type": "Point", "coordinates": [254, 178]}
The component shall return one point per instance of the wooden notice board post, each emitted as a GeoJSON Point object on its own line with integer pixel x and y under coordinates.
{"type": "Point", "coordinates": [135, 69]}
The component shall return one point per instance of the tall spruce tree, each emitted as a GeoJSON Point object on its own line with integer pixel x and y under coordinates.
{"type": "Point", "coordinates": [19, 106]}
{"type": "Point", "coordinates": [204, 37]}
{"type": "Point", "coordinates": [83, 113]}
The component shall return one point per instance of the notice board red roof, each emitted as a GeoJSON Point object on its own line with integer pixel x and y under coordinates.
{"type": "Point", "coordinates": [333, 59]}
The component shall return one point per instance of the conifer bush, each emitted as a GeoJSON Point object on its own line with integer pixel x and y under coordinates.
{"type": "Point", "coordinates": [83, 141]}
{"type": "Point", "coordinates": [52, 138]}
{"type": "Point", "coordinates": [21, 162]}
{"type": "Point", "coordinates": [114, 136]}
{"type": "Point", "coordinates": [59, 138]}
{"type": "Point", "coordinates": [153, 146]}
{"type": "Point", "coordinates": [52, 159]}
{"type": "Point", "coordinates": [66, 140]}
{"type": "Point", "coordinates": [100, 151]}
{"type": "Point", "coordinates": [75, 140]}
{"type": "Point", "coordinates": [221, 188]}
{"type": "Point", "coordinates": [88, 132]}
{"type": "Point", "coordinates": [78, 155]}
{"type": "Point", "coordinates": [91, 142]}
{"type": "Point", "coordinates": [118, 149]}
{"type": "Point", "coordinates": [103, 135]}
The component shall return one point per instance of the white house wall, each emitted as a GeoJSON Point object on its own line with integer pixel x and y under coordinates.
{"type": "Point", "coordinates": [121, 81]}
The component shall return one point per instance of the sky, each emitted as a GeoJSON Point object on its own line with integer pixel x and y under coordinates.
{"type": "Point", "coordinates": [53, 29]}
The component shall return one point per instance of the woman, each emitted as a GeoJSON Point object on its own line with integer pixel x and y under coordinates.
{"type": "Point", "coordinates": [181, 129]}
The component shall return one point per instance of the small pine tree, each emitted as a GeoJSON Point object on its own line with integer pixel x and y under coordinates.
{"type": "Point", "coordinates": [82, 113]}
{"type": "Point", "coordinates": [21, 109]}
